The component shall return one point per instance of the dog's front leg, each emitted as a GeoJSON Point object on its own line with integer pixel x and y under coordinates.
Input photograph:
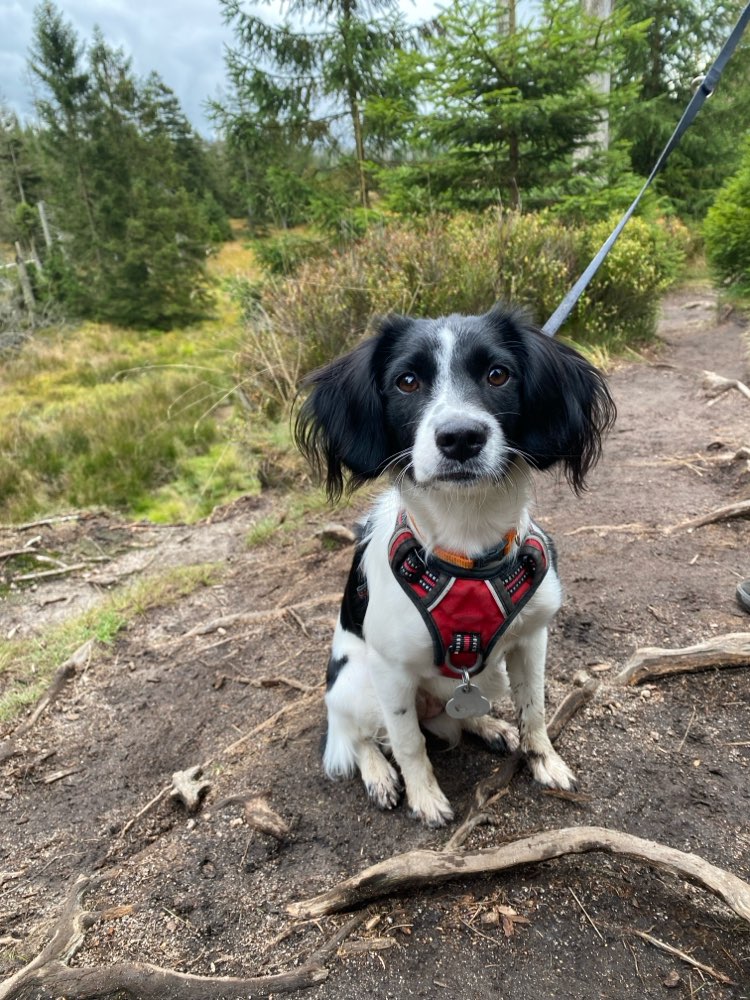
{"type": "Point", "coordinates": [525, 666]}
{"type": "Point", "coordinates": [397, 692]}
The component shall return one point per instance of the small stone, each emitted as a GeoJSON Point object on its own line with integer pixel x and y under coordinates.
{"type": "Point", "coordinates": [673, 980]}
{"type": "Point", "coordinates": [336, 534]}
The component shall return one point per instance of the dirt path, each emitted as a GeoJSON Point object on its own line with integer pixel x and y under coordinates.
{"type": "Point", "coordinates": [668, 761]}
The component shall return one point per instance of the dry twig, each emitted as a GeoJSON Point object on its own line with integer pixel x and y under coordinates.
{"type": "Point", "coordinates": [663, 946]}
{"type": "Point", "coordinates": [267, 614]}
{"type": "Point", "coordinates": [727, 513]}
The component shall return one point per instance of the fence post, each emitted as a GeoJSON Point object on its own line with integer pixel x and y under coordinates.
{"type": "Point", "coordinates": [26, 289]}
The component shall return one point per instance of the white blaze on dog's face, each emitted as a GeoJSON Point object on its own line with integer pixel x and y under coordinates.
{"type": "Point", "coordinates": [456, 405]}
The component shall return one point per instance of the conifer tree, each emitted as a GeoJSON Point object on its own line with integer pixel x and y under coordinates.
{"type": "Point", "coordinates": [511, 101]}
{"type": "Point", "coordinates": [121, 180]}
{"type": "Point", "coordinates": [298, 92]}
{"type": "Point", "coordinates": [682, 39]}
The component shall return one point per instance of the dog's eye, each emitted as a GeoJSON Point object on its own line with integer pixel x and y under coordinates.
{"type": "Point", "coordinates": [408, 382]}
{"type": "Point", "coordinates": [498, 375]}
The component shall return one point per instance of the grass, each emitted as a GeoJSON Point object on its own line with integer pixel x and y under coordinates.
{"type": "Point", "coordinates": [143, 422]}
{"type": "Point", "coordinates": [28, 664]}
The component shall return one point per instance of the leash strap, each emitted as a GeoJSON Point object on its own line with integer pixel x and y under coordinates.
{"type": "Point", "coordinates": [704, 91]}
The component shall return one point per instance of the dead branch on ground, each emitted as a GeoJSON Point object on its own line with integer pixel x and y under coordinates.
{"type": "Point", "coordinates": [49, 974]}
{"type": "Point", "coordinates": [683, 956]}
{"type": "Point", "coordinates": [59, 519]}
{"type": "Point", "coordinates": [78, 660]}
{"type": "Point", "coordinates": [651, 662]}
{"type": "Point", "coordinates": [267, 614]}
{"type": "Point", "coordinates": [493, 787]}
{"type": "Point", "coordinates": [419, 868]}
{"type": "Point", "coordinates": [727, 513]}
{"type": "Point", "coordinates": [605, 529]}
{"type": "Point", "coordinates": [716, 385]}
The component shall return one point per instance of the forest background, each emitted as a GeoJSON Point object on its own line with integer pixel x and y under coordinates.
{"type": "Point", "coordinates": [162, 293]}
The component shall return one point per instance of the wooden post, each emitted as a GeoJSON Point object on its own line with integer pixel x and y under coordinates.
{"type": "Point", "coordinates": [26, 289]}
{"type": "Point", "coordinates": [40, 207]}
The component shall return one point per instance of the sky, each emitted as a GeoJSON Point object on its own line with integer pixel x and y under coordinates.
{"type": "Point", "coordinates": [183, 40]}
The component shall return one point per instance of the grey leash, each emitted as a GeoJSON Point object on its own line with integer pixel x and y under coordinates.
{"type": "Point", "coordinates": [704, 91]}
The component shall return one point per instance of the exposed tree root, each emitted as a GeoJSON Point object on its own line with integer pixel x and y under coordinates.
{"type": "Point", "coordinates": [652, 662]}
{"type": "Point", "coordinates": [77, 661]}
{"type": "Point", "coordinates": [311, 695]}
{"type": "Point", "coordinates": [495, 785]}
{"type": "Point", "coordinates": [425, 868]}
{"type": "Point", "coordinates": [50, 975]}
{"type": "Point", "coordinates": [716, 385]}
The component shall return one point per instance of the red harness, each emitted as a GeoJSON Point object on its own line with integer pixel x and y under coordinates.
{"type": "Point", "coordinates": [466, 610]}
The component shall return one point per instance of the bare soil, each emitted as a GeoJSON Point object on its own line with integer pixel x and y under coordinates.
{"type": "Point", "coordinates": [205, 893]}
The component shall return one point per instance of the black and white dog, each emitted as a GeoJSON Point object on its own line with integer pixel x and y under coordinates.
{"type": "Point", "coordinates": [453, 585]}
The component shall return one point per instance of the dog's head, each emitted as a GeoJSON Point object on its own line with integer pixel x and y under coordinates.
{"type": "Point", "coordinates": [454, 401]}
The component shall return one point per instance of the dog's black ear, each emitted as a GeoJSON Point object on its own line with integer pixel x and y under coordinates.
{"type": "Point", "coordinates": [566, 410]}
{"type": "Point", "coordinates": [341, 425]}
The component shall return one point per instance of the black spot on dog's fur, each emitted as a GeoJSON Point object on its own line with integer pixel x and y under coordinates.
{"type": "Point", "coordinates": [335, 665]}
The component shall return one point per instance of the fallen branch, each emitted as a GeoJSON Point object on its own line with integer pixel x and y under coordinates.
{"type": "Point", "coordinates": [604, 529]}
{"type": "Point", "coordinates": [77, 661]}
{"type": "Point", "coordinates": [491, 788]}
{"type": "Point", "coordinates": [422, 868]}
{"type": "Point", "coordinates": [727, 513]}
{"type": "Point", "coordinates": [716, 385]}
{"type": "Point", "coordinates": [49, 974]}
{"type": "Point", "coordinates": [650, 662]}
{"type": "Point", "coordinates": [48, 574]}
{"type": "Point", "coordinates": [47, 520]}
{"type": "Point", "coordinates": [246, 617]}
{"type": "Point", "coordinates": [663, 946]}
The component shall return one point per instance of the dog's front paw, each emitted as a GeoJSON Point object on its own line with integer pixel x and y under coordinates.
{"type": "Point", "coordinates": [430, 806]}
{"type": "Point", "coordinates": [385, 791]}
{"type": "Point", "coordinates": [550, 770]}
{"type": "Point", "coordinates": [380, 778]}
{"type": "Point", "coordinates": [501, 737]}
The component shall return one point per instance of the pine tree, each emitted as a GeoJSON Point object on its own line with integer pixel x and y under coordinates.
{"type": "Point", "coordinates": [511, 102]}
{"type": "Point", "coordinates": [123, 173]}
{"type": "Point", "coordinates": [682, 39]}
{"type": "Point", "coordinates": [297, 93]}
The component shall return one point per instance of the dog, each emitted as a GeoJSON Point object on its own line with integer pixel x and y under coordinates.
{"type": "Point", "coordinates": [453, 585]}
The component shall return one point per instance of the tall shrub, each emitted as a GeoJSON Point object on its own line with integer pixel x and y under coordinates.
{"type": "Point", "coordinates": [727, 229]}
{"type": "Point", "coordinates": [461, 264]}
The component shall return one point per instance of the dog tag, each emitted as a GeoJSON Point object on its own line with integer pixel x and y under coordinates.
{"type": "Point", "coordinates": [467, 702]}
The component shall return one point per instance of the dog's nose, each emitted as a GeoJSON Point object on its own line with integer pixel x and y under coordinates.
{"type": "Point", "coordinates": [461, 440]}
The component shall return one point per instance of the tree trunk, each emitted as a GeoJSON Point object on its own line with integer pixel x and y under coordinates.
{"type": "Point", "coordinates": [599, 138]}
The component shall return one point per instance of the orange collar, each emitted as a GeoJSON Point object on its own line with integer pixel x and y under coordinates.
{"type": "Point", "coordinates": [460, 559]}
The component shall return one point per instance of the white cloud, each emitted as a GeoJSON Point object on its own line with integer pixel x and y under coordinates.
{"type": "Point", "coordinates": [183, 40]}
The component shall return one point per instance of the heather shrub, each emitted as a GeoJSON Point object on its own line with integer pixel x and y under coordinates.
{"type": "Point", "coordinates": [441, 265]}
